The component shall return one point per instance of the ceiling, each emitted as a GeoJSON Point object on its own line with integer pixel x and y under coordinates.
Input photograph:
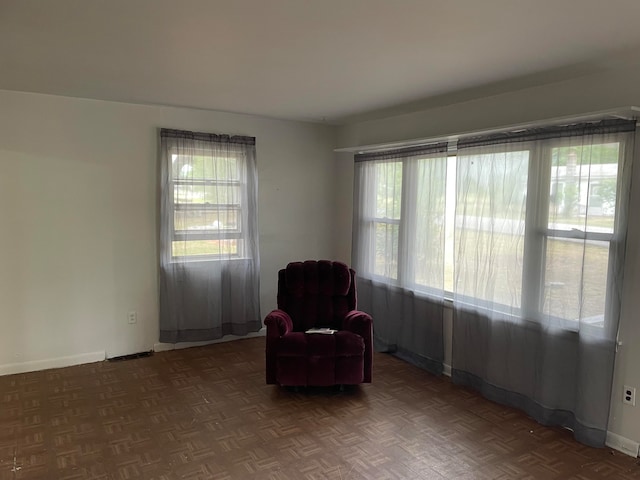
{"type": "Point", "coordinates": [313, 60]}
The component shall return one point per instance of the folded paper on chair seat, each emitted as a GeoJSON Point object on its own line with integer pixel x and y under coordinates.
{"type": "Point", "coordinates": [325, 331]}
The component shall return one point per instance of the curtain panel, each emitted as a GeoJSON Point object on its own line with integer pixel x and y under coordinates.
{"type": "Point", "coordinates": [208, 237]}
{"type": "Point", "coordinates": [398, 250]}
{"type": "Point", "coordinates": [540, 231]}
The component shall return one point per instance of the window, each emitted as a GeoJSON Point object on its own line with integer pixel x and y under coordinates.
{"type": "Point", "coordinates": [403, 206]}
{"type": "Point", "coordinates": [490, 225]}
{"type": "Point", "coordinates": [524, 225]}
{"type": "Point", "coordinates": [207, 205]}
{"type": "Point", "coordinates": [205, 196]}
{"type": "Point", "coordinates": [579, 227]}
{"type": "Point", "coordinates": [385, 223]}
{"type": "Point", "coordinates": [208, 245]}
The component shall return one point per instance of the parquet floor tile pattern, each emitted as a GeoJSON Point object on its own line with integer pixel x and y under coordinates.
{"type": "Point", "coordinates": [206, 413]}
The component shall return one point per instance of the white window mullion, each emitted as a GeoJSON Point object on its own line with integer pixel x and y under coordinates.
{"type": "Point", "coordinates": [406, 241]}
{"type": "Point", "coordinates": [450, 220]}
{"type": "Point", "coordinates": [535, 224]}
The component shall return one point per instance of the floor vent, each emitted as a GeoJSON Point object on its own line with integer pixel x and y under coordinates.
{"type": "Point", "coordinates": [131, 356]}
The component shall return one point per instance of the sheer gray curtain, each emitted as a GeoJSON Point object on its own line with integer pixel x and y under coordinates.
{"type": "Point", "coordinates": [209, 263]}
{"type": "Point", "coordinates": [398, 250]}
{"type": "Point", "coordinates": [540, 228]}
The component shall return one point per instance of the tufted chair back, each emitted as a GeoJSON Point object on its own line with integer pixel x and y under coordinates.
{"type": "Point", "coordinates": [316, 293]}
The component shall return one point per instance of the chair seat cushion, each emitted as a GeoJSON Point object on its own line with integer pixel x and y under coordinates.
{"type": "Point", "coordinates": [320, 359]}
{"type": "Point", "coordinates": [340, 344]}
{"type": "Point", "coordinates": [349, 344]}
{"type": "Point", "coordinates": [293, 344]}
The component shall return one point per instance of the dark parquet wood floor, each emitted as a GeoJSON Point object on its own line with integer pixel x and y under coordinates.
{"type": "Point", "coordinates": [206, 413]}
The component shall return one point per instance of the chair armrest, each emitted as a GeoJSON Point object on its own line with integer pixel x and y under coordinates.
{"type": "Point", "coordinates": [361, 324]}
{"type": "Point", "coordinates": [358, 322]}
{"type": "Point", "coordinates": [278, 323]}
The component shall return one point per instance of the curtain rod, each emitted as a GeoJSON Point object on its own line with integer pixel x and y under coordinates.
{"type": "Point", "coordinates": [622, 112]}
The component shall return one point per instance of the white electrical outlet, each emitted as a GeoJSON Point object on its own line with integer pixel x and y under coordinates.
{"type": "Point", "coordinates": [629, 395]}
{"type": "Point", "coordinates": [132, 316]}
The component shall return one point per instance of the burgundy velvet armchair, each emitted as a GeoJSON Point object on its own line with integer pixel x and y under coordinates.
{"type": "Point", "coordinates": [318, 294]}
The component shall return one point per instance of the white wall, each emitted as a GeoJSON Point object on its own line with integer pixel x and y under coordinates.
{"type": "Point", "coordinates": [616, 87]}
{"type": "Point", "coordinates": [78, 219]}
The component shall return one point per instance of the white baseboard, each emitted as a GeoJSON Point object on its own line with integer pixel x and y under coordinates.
{"type": "Point", "coordinates": [163, 347]}
{"type": "Point", "coordinates": [446, 369]}
{"type": "Point", "coordinates": [58, 362]}
{"type": "Point", "coordinates": [622, 444]}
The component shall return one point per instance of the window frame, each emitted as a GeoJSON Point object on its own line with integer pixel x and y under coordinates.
{"type": "Point", "coordinates": [536, 233]}
{"type": "Point", "coordinates": [371, 220]}
{"type": "Point", "coordinates": [238, 234]}
{"type": "Point", "coordinates": [541, 230]}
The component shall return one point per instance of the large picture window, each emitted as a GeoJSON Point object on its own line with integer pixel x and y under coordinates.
{"type": "Point", "coordinates": [522, 226]}
{"type": "Point", "coordinates": [525, 233]}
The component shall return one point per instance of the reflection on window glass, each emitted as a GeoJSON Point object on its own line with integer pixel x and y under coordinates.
{"type": "Point", "coordinates": [430, 222]}
{"type": "Point", "coordinates": [203, 220]}
{"type": "Point", "coordinates": [205, 247]}
{"type": "Point", "coordinates": [490, 226]}
{"type": "Point", "coordinates": [583, 187]}
{"type": "Point", "coordinates": [386, 263]}
{"type": "Point", "coordinates": [211, 194]}
{"type": "Point", "coordinates": [389, 189]}
{"type": "Point", "coordinates": [200, 167]}
{"type": "Point", "coordinates": [572, 293]}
